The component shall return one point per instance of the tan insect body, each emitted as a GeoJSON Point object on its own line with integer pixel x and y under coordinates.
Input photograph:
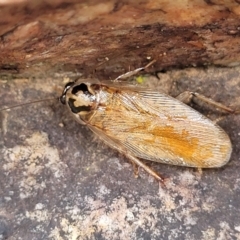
{"type": "Point", "coordinates": [145, 124]}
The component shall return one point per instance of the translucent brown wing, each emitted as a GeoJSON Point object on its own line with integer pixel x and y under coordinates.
{"type": "Point", "coordinates": [156, 127]}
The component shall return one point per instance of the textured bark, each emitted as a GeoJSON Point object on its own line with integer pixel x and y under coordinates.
{"type": "Point", "coordinates": [42, 37]}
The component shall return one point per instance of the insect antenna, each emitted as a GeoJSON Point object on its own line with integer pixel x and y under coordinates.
{"type": "Point", "coordinates": [28, 103]}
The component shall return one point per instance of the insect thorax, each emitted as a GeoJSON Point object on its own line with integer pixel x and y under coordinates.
{"type": "Point", "coordinates": [82, 99]}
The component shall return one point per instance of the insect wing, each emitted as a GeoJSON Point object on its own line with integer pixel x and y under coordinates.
{"type": "Point", "coordinates": [156, 127]}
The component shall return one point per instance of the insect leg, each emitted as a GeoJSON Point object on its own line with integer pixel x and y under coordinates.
{"type": "Point", "coordinates": [134, 72]}
{"type": "Point", "coordinates": [188, 97]}
{"type": "Point", "coordinates": [219, 119]}
{"type": "Point", "coordinates": [145, 167]}
{"type": "Point", "coordinates": [135, 169]}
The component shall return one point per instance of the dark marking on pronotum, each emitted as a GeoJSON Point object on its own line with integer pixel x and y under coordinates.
{"type": "Point", "coordinates": [75, 109]}
{"type": "Point", "coordinates": [82, 87]}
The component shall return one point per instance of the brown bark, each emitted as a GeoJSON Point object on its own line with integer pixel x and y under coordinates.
{"type": "Point", "coordinates": [42, 37]}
